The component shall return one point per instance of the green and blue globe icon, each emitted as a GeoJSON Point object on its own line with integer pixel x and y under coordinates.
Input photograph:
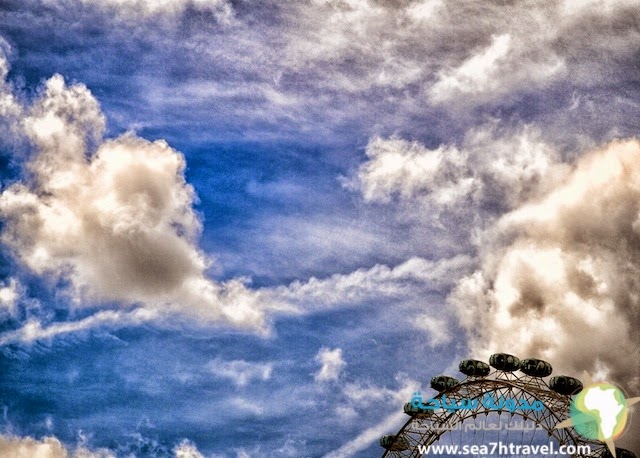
{"type": "Point", "coordinates": [599, 412]}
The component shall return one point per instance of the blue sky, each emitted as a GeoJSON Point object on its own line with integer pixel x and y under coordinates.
{"type": "Point", "coordinates": [254, 228]}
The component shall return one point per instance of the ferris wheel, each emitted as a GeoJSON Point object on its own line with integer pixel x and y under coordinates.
{"type": "Point", "coordinates": [496, 405]}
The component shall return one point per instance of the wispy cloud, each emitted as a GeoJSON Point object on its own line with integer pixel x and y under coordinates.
{"type": "Point", "coordinates": [378, 281]}
{"type": "Point", "coordinates": [359, 394]}
{"type": "Point", "coordinates": [9, 294]}
{"type": "Point", "coordinates": [367, 437]}
{"type": "Point", "coordinates": [33, 330]}
{"type": "Point", "coordinates": [240, 372]}
{"type": "Point", "coordinates": [137, 10]}
{"type": "Point", "coordinates": [332, 364]}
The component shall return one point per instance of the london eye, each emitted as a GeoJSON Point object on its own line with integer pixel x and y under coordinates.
{"type": "Point", "coordinates": [495, 405]}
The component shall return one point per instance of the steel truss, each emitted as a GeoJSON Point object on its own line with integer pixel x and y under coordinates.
{"type": "Point", "coordinates": [425, 429]}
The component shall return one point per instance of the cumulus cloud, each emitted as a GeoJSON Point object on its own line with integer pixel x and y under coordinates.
{"type": "Point", "coordinates": [403, 168]}
{"type": "Point", "coordinates": [559, 276]}
{"type": "Point", "coordinates": [118, 223]}
{"type": "Point", "coordinates": [332, 364]}
{"type": "Point", "coordinates": [558, 250]}
{"type": "Point", "coordinates": [51, 447]}
{"type": "Point", "coordinates": [115, 218]}
{"type": "Point", "coordinates": [558, 255]}
{"type": "Point", "coordinates": [240, 372]}
{"type": "Point", "coordinates": [488, 168]}
{"type": "Point", "coordinates": [47, 447]}
{"type": "Point", "coordinates": [186, 449]}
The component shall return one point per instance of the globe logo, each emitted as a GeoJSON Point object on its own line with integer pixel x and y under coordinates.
{"type": "Point", "coordinates": [599, 412]}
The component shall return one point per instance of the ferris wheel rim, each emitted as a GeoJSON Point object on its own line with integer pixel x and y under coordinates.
{"type": "Point", "coordinates": [505, 380]}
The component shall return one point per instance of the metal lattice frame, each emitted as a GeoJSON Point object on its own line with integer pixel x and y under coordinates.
{"type": "Point", "coordinates": [426, 429]}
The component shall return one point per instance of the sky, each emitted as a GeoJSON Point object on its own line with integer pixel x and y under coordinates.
{"type": "Point", "coordinates": [234, 228]}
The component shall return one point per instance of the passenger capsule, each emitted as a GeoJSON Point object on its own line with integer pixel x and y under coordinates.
{"type": "Point", "coordinates": [412, 410]}
{"type": "Point", "coordinates": [474, 368]}
{"type": "Point", "coordinates": [565, 385]}
{"type": "Point", "coordinates": [443, 382]}
{"type": "Point", "coordinates": [504, 362]}
{"type": "Point", "coordinates": [395, 443]}
{"type": "Point", "coordinates": [535, 367]}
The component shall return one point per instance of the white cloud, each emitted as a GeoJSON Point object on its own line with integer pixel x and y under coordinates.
{"type": "Point", "coordinates": [186, 449]}
{"type": "Point", "coordinates": [364, 394]}
{"type": "Point", "coordinates": [9, 106]}
{"type": "Point", "coordinates": [119, 223]}
{"type": "Point", "coordinates": [392, 53]}
{"type": "Point", "coordinates": [359, 393]}
{"type": "Point", "coordinates": [136, 9]}
{"type": "Point", "coordinates": [477, 74]}
{"type": "Point", "coordinates": [240, 372]}
{"type": "Point", "coordinates": [47, 447]}
{"type": "Point", "coordinates": [33, 329]}
{"type": "Point", "coordinates": [51, 447]}
{"type": "Point", "coordinates": [508, 168]}
{"type": "Point", "coordinates": [559, 277]}
{"type": "Point", "coordinates": [346, 414]}
{"type": "Point", "coordinates": [519, 54]}
{"type": "Point", "coordinates": [375, 282]}
{"type": "Point", "coordinates": [9, 294]}
{"type": "Point", "coordinates": [436, 328]}
{"type": "Point", "coordinates": [340, 290]}
{"type": "Point", "coordinates": [115, 219]}
{"type": "Point", "coordinates": [425, 44]}
{"type": "Point", "coordinates": [396, 166]}
{"type": "Point", "coordinates": [332, 364]}
{"type": "Point", "coordinates": [558, 251]}
{"type": "Point", "coordinates": [506, 65]}
{"type": "Point", "coordinates": [245, 407]}
{"type": "Point", "coordinates": [369, 436]}
{"type": "Point", "coordinates": [424, 10]}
